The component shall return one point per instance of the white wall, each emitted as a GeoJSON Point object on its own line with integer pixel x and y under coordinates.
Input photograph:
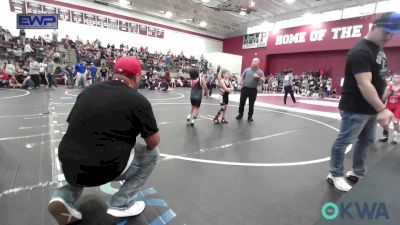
{"type": "Point", "coordinates": [176, 41]}
{"type": "Point", "coordinates": [231, 62]}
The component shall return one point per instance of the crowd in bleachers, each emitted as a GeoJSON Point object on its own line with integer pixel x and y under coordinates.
{"type": "Point", "coordinates": [44, 60]}
{"type": "Point", "coordinates": [21, 58]}
{"type": "Point", "coordinates": [311, 84]}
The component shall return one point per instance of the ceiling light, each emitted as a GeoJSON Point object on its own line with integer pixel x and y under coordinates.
{"type": "Point", "coordinates": [123, 2]}
{"type": "Point", "coordinates": [205, 1]}
{"type": "Point", "coordinates": [169, 14]}
{"type": "Point", "coordinates": [242, 13]}
{"type": "Point", "coordinates": [290, 1]}
{"type": "Point", "coordinates": [203, 24]}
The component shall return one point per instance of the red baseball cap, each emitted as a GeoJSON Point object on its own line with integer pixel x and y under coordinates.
{"type": "Point", "coordinates": [128, 66]}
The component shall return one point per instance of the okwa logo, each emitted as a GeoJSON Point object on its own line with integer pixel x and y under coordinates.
{"type": "Point", "coordinates": [355, 211]}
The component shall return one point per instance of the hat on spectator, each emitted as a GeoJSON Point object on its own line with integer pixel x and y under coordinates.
{"type": "Point", "coordinates": [128, 66]}
{"type": "Point", "coordinates": [390, 22]}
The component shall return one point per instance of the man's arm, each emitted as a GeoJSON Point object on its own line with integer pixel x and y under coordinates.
{"type": "Point", "coordinates": [368, 91]}
{"type": "Point", "coordinates": [370, 94]}
{"type": "Point", "coordinates": [223, 85]}
{"type": "Point", "coordinates": [203, 84]}
{"type": "Point", "coordinates": [241, 78]}
{"type": "Point", "coordinates": [153, 140]}
{"type": "Point", "coordinates": [386, 94]}
{"type": "Point", "coordinates": [262, 78]}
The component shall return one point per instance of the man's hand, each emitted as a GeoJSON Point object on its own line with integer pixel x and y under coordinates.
{"type": "Point", "coordinates": [256, 76]}
{"type": "Point", "coordinates": [384, 117]}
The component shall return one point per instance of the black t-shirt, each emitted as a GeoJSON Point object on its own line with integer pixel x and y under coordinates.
{"type": "Point", "coordinates": [364, 57]}
{"type": "Point", "coordinates": [102, 130]}
{"type": "Point", "coordinates": [103, 72]}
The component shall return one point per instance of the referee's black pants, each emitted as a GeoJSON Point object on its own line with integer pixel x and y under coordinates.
{"type": "Point", "coordinates": [288, 90]}
{"type": "Point", "coordinates": [245, 93]}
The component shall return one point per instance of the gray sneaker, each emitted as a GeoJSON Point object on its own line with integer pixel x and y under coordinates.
{"type": "Point", "coordinates": [396, 138]}
{"type": "Point", "coordinates": [63, 212]}
{"type": "Point", "coordinates": [134, 210]}
{"type": "Point", "coordinates": [352, 176]}
{"type": "Point", "coordinates": [340, 183]}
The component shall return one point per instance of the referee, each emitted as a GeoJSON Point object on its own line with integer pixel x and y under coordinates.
{"type": "Point", "coordinates": [249, 82]}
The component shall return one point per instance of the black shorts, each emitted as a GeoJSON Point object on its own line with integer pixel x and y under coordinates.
{"type": "Point", "coordinates": [223, 99]}
{"type": "Point", "coordinates": [195, 102]}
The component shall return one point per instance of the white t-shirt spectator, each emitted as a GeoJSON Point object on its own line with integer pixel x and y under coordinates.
{"type": "Point", "coordinates": [34, 68]}
{"type": "Point", "coordinates": [10, 69]}
{"type": "Point", "coordinates": [28, 48]}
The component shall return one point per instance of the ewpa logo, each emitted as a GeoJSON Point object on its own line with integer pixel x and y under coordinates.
{"type": "Point", "coordinates": [37, 21]}
{"type": "Point", "coordinates": [355, 210]}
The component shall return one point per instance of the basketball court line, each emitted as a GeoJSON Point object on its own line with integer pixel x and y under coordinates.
{"type": "Point", "coordinates": [16, 96]}
{"type": "Point", "coordinates": [42, 126]}
{"type": "Point", "coordinates": [203, 150]}
{"type": "Point", "coordinates": [26, 188]}
{"type": "Point", "coordinates": [23, 137]}
{"type": "Point", "coordinates": [169, 156]}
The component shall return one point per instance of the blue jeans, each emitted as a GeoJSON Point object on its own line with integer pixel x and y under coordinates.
{"type": "Point", "coordinates": [355, 128]}
{"type": "Point", "coordinates": [136, 175]}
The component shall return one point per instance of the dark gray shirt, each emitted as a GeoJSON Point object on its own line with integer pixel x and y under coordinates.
{"type": "Point", "coordinates": [249, 80]}
{"type": "Point", "coordinates": [50, 67]}
{"type": "Point", "coordinates": [287, 81]}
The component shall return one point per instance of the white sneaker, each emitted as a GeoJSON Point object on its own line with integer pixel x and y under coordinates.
{"type": "Point", "coordinates": [396, 138]}
{"type": "Point", "coordinates": [134, 210]}
{"type": "Point", "coordinates": [188, 118]}
{"type": "Point", "coordinates": [353, 176]}
{"type": "Point", "coordinates": [62, 212]}
{"type": "Point", "coordinates": [340, 183]}
{"type": "Point", "coordinates": [191, 122]}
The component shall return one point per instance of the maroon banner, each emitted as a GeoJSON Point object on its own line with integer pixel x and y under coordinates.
{"type": "Point", "coordinates": [77, 17]}
{"type": "Point", "coordinates": [133, 28]}
{"type": "Point", "coordinates": [334, 35]}
{"type": "Point", "coordinates": [17, 6]}
{"type": "Point", "coordinates": [49, 10]}
{"type": "Point", "coordinates": [112, 24]}
{"type": "Point", "coordinates": [123, 26]}
{"type": "Point", "coordinates": [34, 8]}
{"type": "Point", "coordinates": [152, 32]}
{"type": "Point", "coordinates": [64, 14]}
{"type": "Point", "coordinates": [90, 19]}
{"type": "Point", "coordinates": [160, 33]}
{"type": "Point", "coordinates": [102, 21]}
{"type": "Point", "coordinates": [142, 29]}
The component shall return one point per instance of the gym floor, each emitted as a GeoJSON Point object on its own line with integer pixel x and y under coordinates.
{"type": "Point", "coordinates": [270, 171]}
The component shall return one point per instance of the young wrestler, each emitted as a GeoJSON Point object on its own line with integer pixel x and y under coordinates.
{"type": "Point", "coordinates": [225, 88]}
{"type": "Point", "coordinates": [198, 84]}
{"type": "Point", "coordinates": [392, 95]}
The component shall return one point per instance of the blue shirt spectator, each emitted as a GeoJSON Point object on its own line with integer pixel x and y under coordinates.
{"type": "Point", "coordinates": [93, 70]}
{"type": "Point", "coordinates": [80, 68]}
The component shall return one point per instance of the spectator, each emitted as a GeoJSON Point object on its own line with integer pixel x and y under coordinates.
{"type": "Point", "coordinates": [34, 71]}
{"type": "Point", "coordinates": [22, 36]}
{"type": "Point", "coordinates": [54, 35]}
{"type": "Point", "coordinates": [4, 78]}
{"type": "Point", "coordinates": [103, 147]}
